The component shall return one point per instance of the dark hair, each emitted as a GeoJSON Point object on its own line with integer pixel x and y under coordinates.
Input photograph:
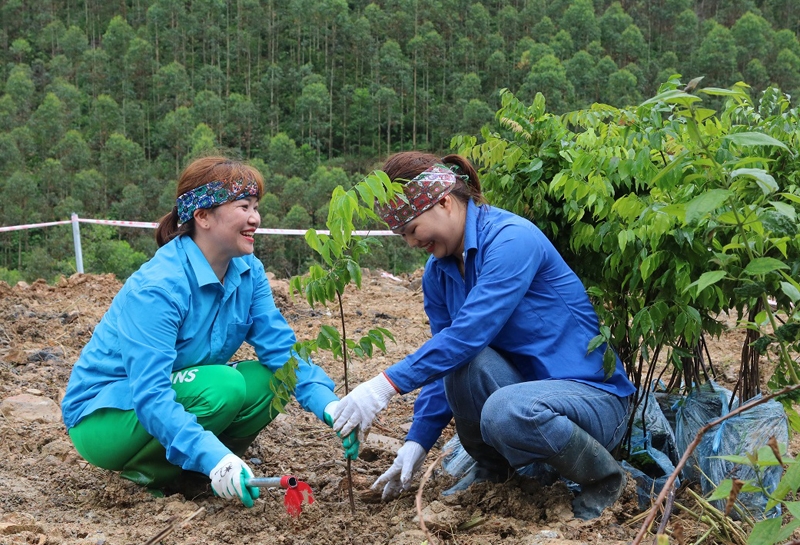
{"type": "Point", "coordinates": [200, 172]}
{"type": "Point", "coordinates": [406, 165]}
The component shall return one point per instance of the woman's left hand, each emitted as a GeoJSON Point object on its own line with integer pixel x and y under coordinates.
{"type": "Point", "coordinates": [358, 408]}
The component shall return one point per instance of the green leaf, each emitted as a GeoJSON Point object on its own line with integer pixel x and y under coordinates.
{"type": "Point", "coordinates": [765, 532]}
{"type": "Point", "coordinates": [594, 343]}
{"type": "Point", "coordinates": [366, 345]}
{"type": "Point", "coordinates": [672, 96]}
{"type": "Point", "coordinates": [650, 264]}
{"type": "Point", "coordinates": [784, 209]}
{"type": "Point", "coordinates": [717, 91]}
{"type": "Point", "coordinates": [791, 292]}
{"type": "Point", "coordinates": [377, 338]}
{"type": "Point", "coordinates": [754, 139]}
{"type": "Point", "coordinates": [705, 203]}
{"type": "Point", "coordinates": [355, 272]}
{"type": "Point", "coordinates": [764, 180]}
{"type": "Point", "coordinates": [385, 332]}
{"type": "Point", "coordinates": [791, 281]}
{"type": "Point", "coordinates": [793, 507]}
{"type": "Point", "coordinates": [676, 161]}
{"type": "Point", "coordinates": [789, 483]}
{"type": "Point", "coordinates": [722, 491]}
{"type": "Point", "coordinates": [643, 321]}
{"type": "Point", "coordinates": [694, 132]}
{"type": "Point", "coordinates": [764, 265]}
{"type": "Point", "coordinates": [788, 530]}
{"type": "Point", "coordinates": [791, 197]}
{"type": "Point", "coordinates": [706, 279]}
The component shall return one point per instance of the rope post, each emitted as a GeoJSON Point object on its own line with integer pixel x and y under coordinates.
{"type": "Point", "coordinates": [76, 237]}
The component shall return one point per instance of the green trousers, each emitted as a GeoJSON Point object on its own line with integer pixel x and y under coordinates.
{"type": "Point", "coordinates": [234, 402]}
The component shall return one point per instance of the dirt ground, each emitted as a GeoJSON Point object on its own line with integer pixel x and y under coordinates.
{"type": "Point", "coordinates": [49, 495]}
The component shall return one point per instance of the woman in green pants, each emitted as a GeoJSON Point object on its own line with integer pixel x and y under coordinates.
{"type": "Point", "coordinates": [153, 392]}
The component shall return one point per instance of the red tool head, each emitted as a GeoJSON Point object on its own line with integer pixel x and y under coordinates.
{"type": "Point", "coordinates": [296, 493]}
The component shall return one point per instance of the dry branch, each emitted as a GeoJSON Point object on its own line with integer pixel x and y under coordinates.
{"type": "Point", "coordinates": [422, 482]}
{"type": "Point", "coordinates": [171, 528]}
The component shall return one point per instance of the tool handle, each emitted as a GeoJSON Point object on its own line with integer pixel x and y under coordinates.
{"type": "Point", "coordinates": [287, 481]}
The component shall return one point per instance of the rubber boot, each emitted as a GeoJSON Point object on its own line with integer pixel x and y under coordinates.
{"type": "Point", "coordinates": [149, 467]}
{"type": "Point", "coordinates": [586, 462]}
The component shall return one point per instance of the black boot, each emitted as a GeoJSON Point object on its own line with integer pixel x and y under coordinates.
{"type": "Point", "coordinates": [586, 462]}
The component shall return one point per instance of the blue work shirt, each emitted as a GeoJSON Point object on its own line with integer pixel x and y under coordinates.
{"type": "Point", "coordinates": [171, 314]}
{"type": "Point", "coordinates": [517, 296]}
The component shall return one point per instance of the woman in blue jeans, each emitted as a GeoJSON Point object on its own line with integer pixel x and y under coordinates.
{"type": "Point", "coordinates": [511, 324]}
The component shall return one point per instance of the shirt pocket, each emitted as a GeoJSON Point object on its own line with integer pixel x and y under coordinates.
{"type": "Point", "coordinates": [234, 337]}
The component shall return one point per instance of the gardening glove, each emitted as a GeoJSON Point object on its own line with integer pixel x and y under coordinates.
{"type": "Point", "coordinates": [228, 480]}
{"type": "Point", "coordinates": [350, 441]}
{"type": "Point", "coordinates": [359, 408]}
{"type": "Point", "coordinates": [398, 477]}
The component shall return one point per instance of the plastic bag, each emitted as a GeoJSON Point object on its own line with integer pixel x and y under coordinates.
{"type": "Point", "coordinates": [653, 452]}
{"type": "Point", "coordinates": [742, 434]}
{"type": "Point", "coordinates": [702, 405]}
{"type": "Point", "coordinates": [458, 462]}
{"type": "Point", "coordinates": [739, 435]}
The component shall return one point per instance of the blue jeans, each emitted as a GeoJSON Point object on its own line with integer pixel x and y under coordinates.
{"type": "Point", "coordinates": [504, 420]}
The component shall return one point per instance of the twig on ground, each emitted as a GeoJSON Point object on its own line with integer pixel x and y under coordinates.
{"type": "Point", "coordinates": [171, 528]}
{"type": "Point", "coordinates": [422, 482]}
{"type": "Point", "coordinates": [694, 444]}
{"type": "Point", "coordinates": [667, 513]}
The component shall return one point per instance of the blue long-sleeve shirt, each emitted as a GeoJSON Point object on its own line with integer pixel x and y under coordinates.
{"type": "Point", "coordinates": [517, 296]}
{"type": "Point", "coordinates": [171, 314]}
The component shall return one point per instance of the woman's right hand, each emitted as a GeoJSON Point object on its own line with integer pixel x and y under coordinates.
{"type": "Point", "coordinates": [228, 480]}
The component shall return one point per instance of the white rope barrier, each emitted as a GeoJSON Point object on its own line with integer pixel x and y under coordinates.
{"type": "Point", "coordinates": [151, 225]}
{"type": "Point", "coordinates": [75, 221]}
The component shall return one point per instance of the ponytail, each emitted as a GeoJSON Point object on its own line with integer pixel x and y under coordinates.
{"type": "Point", "coordinates": [168, 227]}
{"type": "Point", "coordinates": [462, 167]}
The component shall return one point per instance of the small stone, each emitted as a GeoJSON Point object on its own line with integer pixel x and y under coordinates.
{"type": "Point", "coordinates": [439, 516]}
{"type": "Point", "coordinates": [30, 408]}
{"type": "Point", "coordinates": [376, 440]}
{"type": "Point", "coordinates": [15, 523]}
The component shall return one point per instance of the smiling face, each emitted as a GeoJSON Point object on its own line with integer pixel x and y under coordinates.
{"type": "Point", "coordinates": [439, 230]}
{"type": "Point", "coordinates": [227, 231]}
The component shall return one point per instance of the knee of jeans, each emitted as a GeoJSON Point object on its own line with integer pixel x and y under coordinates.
{"type": "Point", "coordinates": [496, 419]}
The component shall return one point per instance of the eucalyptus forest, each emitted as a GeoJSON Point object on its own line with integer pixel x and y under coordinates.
{"type": "Point", "coordinates": [103, 103]}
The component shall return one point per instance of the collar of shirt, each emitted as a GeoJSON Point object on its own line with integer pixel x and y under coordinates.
{"type": "Point", "coordinates": [471, 228]}
{"type": "Point", "coordinates": [204, 274]}
{"type": "Point", "coordinates": [449, 263]}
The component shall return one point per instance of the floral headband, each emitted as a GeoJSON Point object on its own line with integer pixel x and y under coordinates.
{"type": "Point", "coordinates": [421, 193]}
{"type": "Point", "coordinates": [213, 194]}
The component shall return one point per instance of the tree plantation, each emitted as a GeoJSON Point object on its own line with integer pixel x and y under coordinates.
{"type": "Point", "coordinates": [102, 103]}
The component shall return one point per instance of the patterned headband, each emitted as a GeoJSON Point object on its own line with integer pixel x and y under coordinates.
{"type": "Point", "coordinates": [422, 193]}
{"type": "Point", "coordinates": [213, 194]}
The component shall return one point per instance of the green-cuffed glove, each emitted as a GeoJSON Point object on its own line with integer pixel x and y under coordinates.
{"type": "Point", "coordinates": [350, 441]}
{"type": "Point", "coordinates": [229, 478]}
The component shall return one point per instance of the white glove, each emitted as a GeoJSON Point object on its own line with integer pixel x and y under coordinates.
{"type": "Point", "coordinates": [359, 407]}
{"type": "Point", "coordinates": [228, 480]}
{"type": "Point", "coordinates": [398, 477]}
